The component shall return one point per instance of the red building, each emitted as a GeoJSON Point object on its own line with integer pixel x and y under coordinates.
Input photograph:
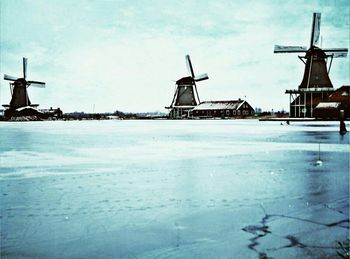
{"type": "Point", "coordinates": [222, 109]}
{"type": "Point", "coordinates": [336, 102]}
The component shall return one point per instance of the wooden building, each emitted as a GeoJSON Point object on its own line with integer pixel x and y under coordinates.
{"type": "Point", "coordinates": [222, 109]}
{"type": "Point", "coordinates": [186, 95]}
{"type": "Point", "coordinates": [316, 85]}
{"type": "Point", "coordinates": [336, 102]}
{"type": "Point", "coordinates": [185, 98]}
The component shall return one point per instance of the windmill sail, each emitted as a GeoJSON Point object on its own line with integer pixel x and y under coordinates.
{"type": "Point", "coordinates": [189, 66]}
{"type": "Point", "coordinates": [288, 49]}
{"type": "Point", "coordinates": [337, 52]}
{"type": "Point", "coordinates": [24, 68]}
{"type": "Point", "coordinates": [201, 77]}
{"type": "Point", "coordinates": [36, 84]}
{"type": "Point", "coordinates": [10, 78]}
{"type": "Point", "coordinates": [315, 31]}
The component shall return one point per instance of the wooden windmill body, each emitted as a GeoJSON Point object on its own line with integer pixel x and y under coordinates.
{"type": "Point", "coordinates": [20, 103]}
{"type": "Point", "coordinates": [186, 95]}
{"type": "Point", "coordinates": [316, 85]}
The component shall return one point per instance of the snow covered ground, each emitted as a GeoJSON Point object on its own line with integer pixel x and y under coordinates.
{"type": "Point", "coordinates": [173, 189]}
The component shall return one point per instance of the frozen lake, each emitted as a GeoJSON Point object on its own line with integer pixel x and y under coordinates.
{"type": "Point", "coordinates": [173, 189]}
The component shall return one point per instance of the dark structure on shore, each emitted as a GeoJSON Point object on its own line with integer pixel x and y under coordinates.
{"type": "Point", "coordinates": [186, 102]}
{"type": "Point", "coordinates": [337, 105]}
{"type": "Point", "coordinates": [20, 105]}
{"type": "Point", "coordinates": [186, 95]}
{"type": "Point", "coordinates": [316, 85]}
{"type": "Point", "coordinates": [222, 109]}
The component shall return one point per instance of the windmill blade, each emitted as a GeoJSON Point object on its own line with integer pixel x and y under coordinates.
{"type": "Point", "coordinates": [25, 67]}
{"type": "Point", "coordinates": [315, 30]}
{"type": "Point", "coordinates": [201, 77]}
{"type": "Point", "coordinates": [189, 65]}
{"type": "Point", "coordinates": [10, 78]}
{"type": "Point", "coordinates": [36, 84]}
{"type": "Point", "coordinates": [288, 49]}
{"type": "Point", "coordinates": [337, 52]}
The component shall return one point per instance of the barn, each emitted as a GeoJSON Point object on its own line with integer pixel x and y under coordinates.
{"type": "Point", "coordinates": [222, 109]}
{"type": "Point", "coordinates": [336, 102]}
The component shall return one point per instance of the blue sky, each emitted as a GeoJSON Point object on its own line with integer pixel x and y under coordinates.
{"type": "Point", "coordinates": [126, 55]}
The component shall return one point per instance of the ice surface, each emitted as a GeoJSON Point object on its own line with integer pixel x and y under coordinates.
{"type": "Point", "coordinates": [157, 189]}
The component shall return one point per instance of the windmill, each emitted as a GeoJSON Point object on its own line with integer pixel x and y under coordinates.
{"type": "Point", "coordinates": [186, 95]}
{"type": "Point", "coordinates": [18, 87]}
{"type": "Point", "coordinates": [316, 84]}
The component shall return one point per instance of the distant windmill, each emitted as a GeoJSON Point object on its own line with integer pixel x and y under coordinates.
{"type": "Point", "coordinates": [186, 95]}
{"type": "Point", "coordinates": [316, 84]}
{"type": "Point", "coordinates": [19, 91]}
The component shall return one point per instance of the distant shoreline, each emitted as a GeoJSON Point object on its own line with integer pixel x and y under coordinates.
{"type": "Point", "coordinates": [106, 118]}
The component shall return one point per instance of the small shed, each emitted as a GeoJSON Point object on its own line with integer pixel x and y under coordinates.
{"type": "Point", "coordinates": [337, 101]}
{"type": "Point", "coordinates": [327, 110]}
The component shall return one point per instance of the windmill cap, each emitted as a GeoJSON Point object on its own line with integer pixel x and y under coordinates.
{"type": "Point", "coordinates": [316, 51]}
{"type": "Point", "coordinates": [185, 80]}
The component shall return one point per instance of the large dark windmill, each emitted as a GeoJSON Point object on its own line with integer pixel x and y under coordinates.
{"type": "Point", "coordinates": [186, 95]}
{"type": "Point", "coordinates": [316, 84]}
{"type": "Point", "coordinates": [20, 103]}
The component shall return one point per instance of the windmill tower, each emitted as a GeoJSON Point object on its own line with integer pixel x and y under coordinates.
{"type": "Point", "coordinates": [316, 84]}
{"type": "Point", "coordinates": [186, 95]}
{"type": "Point", "coordinates": [18, 87]}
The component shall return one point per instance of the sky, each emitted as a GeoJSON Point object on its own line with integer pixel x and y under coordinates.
{"type": "Point", "coordinates": [102, 56]}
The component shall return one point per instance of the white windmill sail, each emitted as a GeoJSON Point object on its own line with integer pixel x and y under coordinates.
{"type": "Point", "coordinates": [10, 78]}
{"type": "Point", "coordinates": [315, 31]}
{"type": "Point", "coordinates": [288, 49]}
{"type": "Point", "coordinates": [337, 52]}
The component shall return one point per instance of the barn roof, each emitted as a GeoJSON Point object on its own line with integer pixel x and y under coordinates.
{"type": "Point", "coordinates": [342, 94]}
{"type": "Point", "coordinates": [219, 105]}
{"type": "Point", "coordinates": [328, 105]}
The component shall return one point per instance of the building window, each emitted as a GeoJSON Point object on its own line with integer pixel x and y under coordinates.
{"type": "Point", "coordinates": [234, 112]}
{"type": "Point", "coordinates": [238, 112]}
{"type": "Point", "coordinates": [252, 112]}
{"type": "Point", "coordinates": [227, 112]}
